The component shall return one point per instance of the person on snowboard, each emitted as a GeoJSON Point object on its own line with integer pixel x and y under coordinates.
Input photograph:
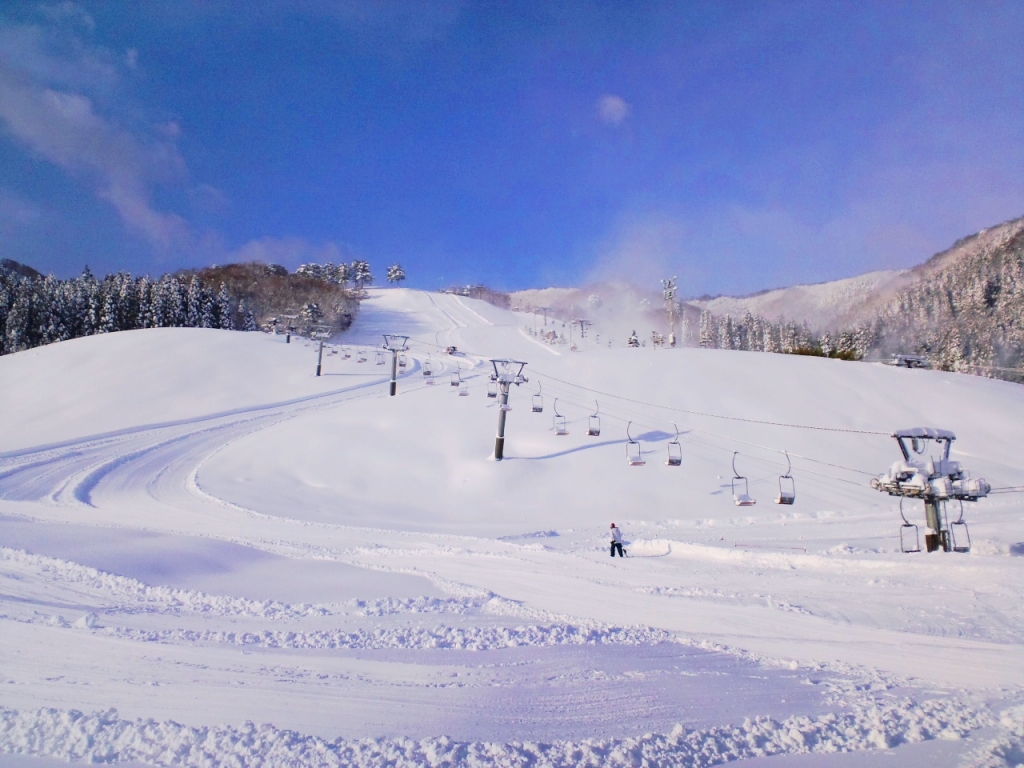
{"type": "Point", "coordinates": [616, 541]}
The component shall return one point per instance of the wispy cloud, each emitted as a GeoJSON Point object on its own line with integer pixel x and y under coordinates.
{"type": "Point", "coordinates": [640, 249]}
{"type": "Point", "coordinates": [612, 109]}
{"type": "Point", "coordinates": [49, 77]}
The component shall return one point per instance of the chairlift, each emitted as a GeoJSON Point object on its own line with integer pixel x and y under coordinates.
{"type": "Point", "coordinates": [457, 377]}
{"type": "Point", "coordinates": [362, 356]}
{"type": "Point", "coordinates": [633, 455]}
{"type": "Point", "coordinates": [594, 422]}
{"type": "Point", "coordinates": [346, 354]}
{"type": "Point", "coordinates": [463, 389]}
{"type": "Point", "coordinates": [787, 486]}
{"type": "Point", "coordinates": [538, 401]}
{"type": "Point", "coordinates": [964, 542]}
{"type": "Point", "coordinates": [906, 530]}
{"type": "Point", "coordinates": [378, 357]}
{"type": "Point", "coordinates": [402, 361]}
{"type": "Point", "coordinates": [492, 387]}
{"type": "Point", "coordinates": [675, 451]}
{"type": "Point", "coordinates": [558, 423]}
{"type": "Point", "coordinates": [428, 372]}
{"type": "Point", "coordinates": [741, 499]}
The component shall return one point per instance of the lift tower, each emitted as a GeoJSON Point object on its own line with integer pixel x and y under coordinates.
{"type": "Point", "coordinates": [506, 373]}
{"type": "Point", "coordinates": [926, 472]}
{"type": "Point", "coordinates": [396, 344]}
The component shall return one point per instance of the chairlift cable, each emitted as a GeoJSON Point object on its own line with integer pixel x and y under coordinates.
{"type": "Point", "coordinates": [716, 415]}
{"type": "Point", "coordinates": [614, 415]}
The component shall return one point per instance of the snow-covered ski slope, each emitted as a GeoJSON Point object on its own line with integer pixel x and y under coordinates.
{"type": "Point", "coordinates": [196, 532]}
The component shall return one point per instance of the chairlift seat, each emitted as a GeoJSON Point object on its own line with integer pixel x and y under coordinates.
{"type": "Point", "coordinates": [538, 405]}
{"type": "Point", "coordinates": [743, 500]}
{"type": "Point", "coordinates": [560, 426]}
{"type": "Point", "coordinates": [675, 454]}
{"type": "Point", "coordinates": [906, 530]}
{"type": "Point", "coordinates": [635, 460]}
{"type": "Point", "coordinates": [463, 390]}
{"type": "Point", "coordinates": [785, 498]}
{"type": "Point", "coordinates": [961, 543]}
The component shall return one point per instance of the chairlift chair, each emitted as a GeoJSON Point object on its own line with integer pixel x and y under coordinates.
{"type": "Point", "coordinates": [463, 389]}
{"type": "Point", "coordinates": [378, 357]}
{"type": "Point", "coordinates": [594, 422]}
{"type": "Point", "coordinates": [346, 354]}
{"type": "Point", "coordinates": [961, 543]}
{"type": "Point", "coordinates": [362, 357]}
{"type": "Point", "coordinates": [633, 455]}
{"type": "Point", "coordinates": [741, 499]}
{"type": "Point", "coordinates": [457, 378]}
{"type": "Point", "coordinates": [428, 372]}
{"type": "Point", "coordinates": [907, 530]}
{"type": "Point", "coordinates": [558, 423]}
{"type": "Point", "coordinates": [538, 401]}
{"type": "Point", "coordinates": [787, 486]}
{"type": "Point", "coordinates": [402, 361]}
{"type": "Point", "coordinates": [492, 387]}
{"type": "Point", "coordinates": [675, 451]}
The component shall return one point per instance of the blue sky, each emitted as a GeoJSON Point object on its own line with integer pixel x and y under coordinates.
{"type": "Point", "coordinates": [739, 145]}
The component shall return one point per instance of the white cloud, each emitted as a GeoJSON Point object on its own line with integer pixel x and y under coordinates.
{"type": "Point", "coordinates": [68, 13]}
{"type": "Point", "coordinates": [612, 109]}
{"type": "Point", "coordinates": [65, 129]}
{"type": "Point", "coordinates": [46, 78]}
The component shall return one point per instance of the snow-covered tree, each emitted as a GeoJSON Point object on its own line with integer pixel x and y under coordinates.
{"type": "Point", "coordinates": [395, 273]}
{"type": "Point", "coordinates": [360, 274]}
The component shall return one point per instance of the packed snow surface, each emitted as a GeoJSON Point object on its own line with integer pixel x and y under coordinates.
{"type": "Point", "coordinates": [210, 556]}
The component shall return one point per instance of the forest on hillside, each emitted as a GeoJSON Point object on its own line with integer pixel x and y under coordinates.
{"type": "Point", "coordinates": [37, 309]}
{"type": "Point", "coordinates": [966, 316]}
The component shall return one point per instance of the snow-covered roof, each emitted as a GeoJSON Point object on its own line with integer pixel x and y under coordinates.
{"type": "Point", "coordinates": [932, 432]}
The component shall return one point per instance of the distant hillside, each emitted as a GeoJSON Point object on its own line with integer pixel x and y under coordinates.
{"type": "Point", "coordinates": [856, 300]}
{"type": "Point", "coordinates": [12, 267]}
{"type": "Point", "coordinates": [965, 310]}
{"type": "Point", "coordinates": [821, 306]}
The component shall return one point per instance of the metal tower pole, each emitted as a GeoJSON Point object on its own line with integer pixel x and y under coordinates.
{"type": "Point", "coordinates": [320, 356]}
{"type": "Point", "coordinates": [394, 372]}
{"type": "Point", "coordinates": [499, 441]}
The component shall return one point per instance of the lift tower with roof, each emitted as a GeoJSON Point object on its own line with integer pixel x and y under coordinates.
{"type": "Point", "coordinates": [926, 472]}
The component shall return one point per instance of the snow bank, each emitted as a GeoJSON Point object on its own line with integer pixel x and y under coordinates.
{"type": "Point", "coordinates": [105, 737]}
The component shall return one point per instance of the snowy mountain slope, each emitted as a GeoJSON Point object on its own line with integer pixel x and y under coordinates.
{"type": "Point", "coordinates": [313, 554]}
{"type": "Point", "coordinates": [821, 306]}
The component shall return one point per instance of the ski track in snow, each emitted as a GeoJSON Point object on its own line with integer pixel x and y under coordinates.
{"type": "Point", "coordinates": [148, 479]}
